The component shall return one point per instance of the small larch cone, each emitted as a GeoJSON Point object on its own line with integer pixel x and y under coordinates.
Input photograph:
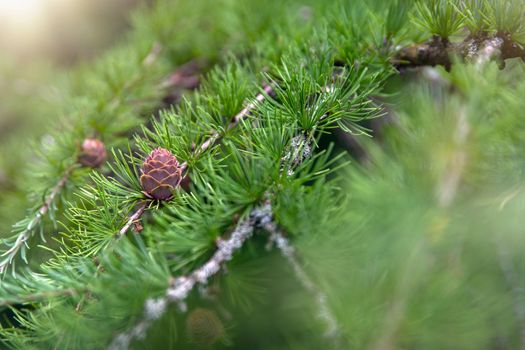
{"type": "Point", "coordinates": [161, 174]}
{"type": "Point", "coordinates": [203, 327]}
{"type": "Point", "coordinates": [92, 153]}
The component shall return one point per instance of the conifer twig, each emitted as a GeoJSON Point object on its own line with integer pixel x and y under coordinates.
{"type": "Point", "coordinates": [23, 236]}
{"type": "Point", "coordinates": [386, 338]}
{"type": "Point", "coordinates": [152, 56]}
{"type": "Point", "coordinates": [180, 287]}
{"type": "Point", "coordinates": [299, 152]}
{"type": "Point", "coordinates": [234, 122]}
{"type": "Point", "coordinates": [288, 252]}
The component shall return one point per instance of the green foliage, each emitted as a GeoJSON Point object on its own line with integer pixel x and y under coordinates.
{"type": "Point", "coordinates": [493, 16]}
{"type": "Point", "coordinates": [505, 16]}
{"type": "Point", "coordinates": [322, 97]}
{"type": "Point", "coordinates": [446, 269]}
{"type": "Point", "coordinates": [439, 17]}
{"type": "Point", "coordinates": [474, 15]}
{"type": "Point", "coordinates": [396, 17]}
{"type": "Point", "coordinates": [417, 246]}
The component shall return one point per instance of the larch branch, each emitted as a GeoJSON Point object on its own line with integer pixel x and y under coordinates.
{"type": "Point", "coordinates": [23, 236]}
{"type": "Point", "coordinates": [180, 287]}
{"type": "Point", "coordinates": [479, 49]}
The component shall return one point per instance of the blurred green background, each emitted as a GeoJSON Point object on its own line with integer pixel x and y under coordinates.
{"type": "Point", "coordinates": [41, 44]}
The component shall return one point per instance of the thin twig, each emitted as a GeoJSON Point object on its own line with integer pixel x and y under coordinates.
{"type": "Point", "coordinates": [247, 110]}
{"type": "Point", "coordinates": [147, 62]}
{"type": "Point", "coordinates": [54, 192]}
{"type": "Point", "coordinates": [133, 218]}
{"type": "Point", "coordinates": [152, 55]}
{"type": "Point", "coordinates": [39, 215]}
{"type": "Point", "coordinates": [235, 121]}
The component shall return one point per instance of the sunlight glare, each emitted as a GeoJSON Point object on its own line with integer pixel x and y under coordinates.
{"type": "Point", "coordinates": [21, 9]}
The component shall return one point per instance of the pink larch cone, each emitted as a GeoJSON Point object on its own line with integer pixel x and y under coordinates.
{"type": "Point", "coordinates": [92, 153]}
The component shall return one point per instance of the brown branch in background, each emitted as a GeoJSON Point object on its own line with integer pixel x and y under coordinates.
{"type": "Point", "coordinates": [475, 48]}
{"type": "Point", "coordinates": [185, 77]}
{"type": "Point", "coordinates": [433, 52]}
